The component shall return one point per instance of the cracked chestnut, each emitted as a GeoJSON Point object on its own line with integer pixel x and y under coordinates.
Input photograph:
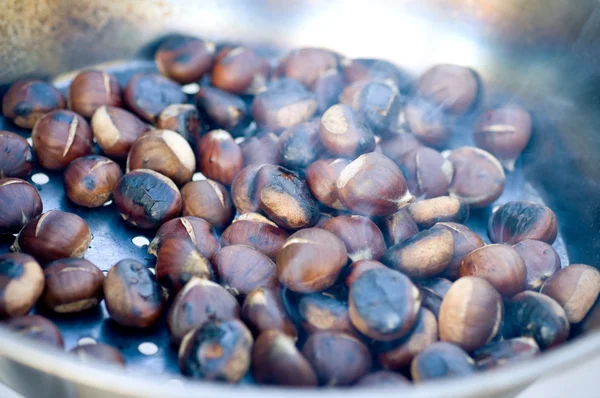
{"type": "Point", "coordinates": [516, 221]}
{"type": "Point", "coordinates": [363, 239]}
{"type": "Point", "coordinates": [263, 310]}
{"type": "Point", "coordinates": [344, 133]}
{"type": "Point", "coordinates": [254, 230]}
{"type": "Point", "coordinates": [90, 180]}
{"type": "Point", "coordinates": [240, 70]}
{"type": "Point", "coordinates": [183, 119]}
{"type": "Point", "coordinates": [465, 241]}
{"type": "Point", "coordinates": [241, 269]}
{"type": "Point", "coordinates": [219, 157]}
{"type": "Point", "coordinates": [21, 284]}
{"type": "Point", "coordinates": [398, 227]}
{"type": "Point", "coordinates": [321, 177]}
{"type": "Point", "coordinates": [20, 202]}
{"type": "Point", "coordinates": [92, 89]}
{"type": "Point", "coordinates": [116, 129]}
{"type": "Point", "coordinates": [433, 291]}
{"type": "Point", "coordinates": [426, 213]}
{"type": "Point", "coordinates": [222, 109]}
{"type": "Point", "coordinates": [427, 172]}
{"type": "Point", "coordinates": [243, 189]}
{"type": "Point", "coordinates": [199, 231]}
{"type": "Point", "coordinates": [208, 200]}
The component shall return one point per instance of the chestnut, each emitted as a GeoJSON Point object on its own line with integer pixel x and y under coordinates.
{"type": "Point", "coordinates": [165, 152]}
{"type": "Point", "coordinates": [241, 269]}
{"type": "Point", "coordinates": [478, 176]}
{"type": "Point", "coordinates": [20, 202]}
{"type": "Point", "coordinates": [358, 268]}
{"type": "Point", "coordinates": [311, 260]}
{"type": "Point", "coordinates": [433, 291]}
{"type": "Point", "coordinates": [576, 288]}
{"type": "Point", "coordinates": [38, 328]}
{"type": "Point", "coordinates": [516, 221]}
{"type": "Point", "coordinates": [363, 239]}
{"type": "Point", "coordinates": [21, 284]}
{"type": "Point", "coordinates": [505, 352]}
{"type": "Point", "coordinates": [323, 219]}
{"type": "Point", "coordinates": [323, 351]}
{"type": "Point", "coordinates": [306, 65]}
{"type": "Point", "coordinates": [115, 130]}
{"type": "Point", "coordinates": [240, 70]}
{"type": "Point", "coordinates": [344, 133]}
{"type": "Point", "coordinates": [383, 304]}
{"type": "Point", "coordinates": [441, 360]}
{"type": "Point", "coordinates": [426, 121]}
{"type": "Point", "coordinates": [422, 255]}
{"type": "Point", "coordinates": [217, 351]}
{"type": "Point", "coordinates": [321, 177]}
{"type": "Point", "coordinates": [254, 230]}
{"type": "Point", "coordinates": [99, 352]}
{"type": "Point", "coordinates": [541, 262]}
{"type": "Point", "coordinates": [90, 180]}
{"type": "Point", "coordinates": [222, 109]}
{"type": "Point", "coordinates": [361, 69]}
{"type": "Point", "coordinates": [178, 261]}
{"type": "Point", "coordinates": [263, 310]}
{"type": "Point", "coordinates": [320, 312]}
{"type": "Point", "coordinates": [72, 285]}
{"type": "Point", "coordinates": [148, 93]}
{"type": "Point", "coordinates": [208, 200]}
{"type": "Point", "coordinates": [276, 360]}
{"type": "Point", "coordinates": [504, 132]}
{"type": "Point", "coordinates": [261, 149]}
{"type": "Point", "coordinates": [17, 156]}
{"type": "Point", "coordinates": [378, 103]}
{"type": "Point", "coordinates": [427, 172]}
{"type": "Point", "coordinates": [372, 185]}
{"type": "Point", "coordinates": [243, 189]}
{"type": "Point", "coordinates": [452, 87]}
{"type": "Point", "coordinates": [59, 138]}
{"type": "Point", "coordinates": [351, 93]}
{"type": "Point", "coordinates": [536, 315]}
{"type": "Point", "coordinates": [383, 378]}
{"type": "Point", "coordinates": [328, 87]}
{"type": "Point", "coordinates": [184, 119]}
{"type": "Point", "coordinates": [184, 59]}
{"type": "Point", "coordinates": [471, 313]}
{"type": "Point", "coordinates": [26, 101]}
{"type": "Point", "coordinates": [92, 89]}
{"type": "Point", "coordinates": [426, 213]}
{"type": "Point", "coordinates": [465, 241]}
{"type": "Point", "coordinates": [147, 199]}
{"type": "Point", "coordinates": [132, 295]}
{"type": "Point", "coordinates": [219, 156]}
{"type": "Point", "coordinates": [500, 265]}
{"type": "Point", "coordinates": [398, 227]}
{"type": "Point", "coordinates": [54, 235]}
{"type": "Point", "coordinates": [199, 302]}
{"type": "Point", "coordinates": [397, 145]}
{"type": "Point", "coordinates": [199, 231]}
{"type": "Point", "coordinates": [299, 145]}
{"type": "Point", "coordinates": [285, 102]}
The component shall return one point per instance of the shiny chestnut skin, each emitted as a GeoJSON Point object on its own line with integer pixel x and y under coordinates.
{"type": "Point", "coordinates": [363, 239]}
{"type": "Point", "coordinates": [241, 269]}
{"type": "Point", "coordinates": [504, 132]}
{"type": "Point", "coordinates": [361, 69]}
{"type": "Point", "coordinates": [240, 70]}
{"type": "Point", "coordinates": [505, 352]}
{"type": "Point", "coordinates": [184, 59]}
{"type": "Point", "coordinates": [243, 189]}
{"type": "Point", "coordinates": [541, 262]}
{"type": "Point", "coordinates": [199, 302]}
{"type": "Point", "coordinates": [320, 312]}
{"type": "Point", "coordinates": [21, 284]}
{"type": "Point", "coordinates": [357, 268]}
{"type": "Point", "coordinates": [178, 261]}
{"type": "Point", "coordinates": [261, 149]}
{"type": "Point", "coordinates": [500, 265]}
{"type": "Point", "coordinates": [321, 177]}
{"type": "Point", "coordinates": [465, 241]}
{"type": "Point", "coordinates": [222, 109]}
{"type": "Point", "coordinates": [383, 378]}
{"type": "Point", "coordinates": [575, 288]}
{"type": "Point", "coordinates": [426, 121]}
{"type": "Point", "coordinates": [90, 180]}
{"type": "Point", "coordinates": [399, 144]}
{"type": "Point", "coordinates": [426, 213]}
{"type": "Point", "coordinates": [92, 89]}
{"type": "Point", "coordinates": [276, 360]}
{"type": "Point", "coordinates": [99, 352]}
{"type": "Point", "coordinates": [36, 327]}
{"type": "Point", "coordinates": [344, 133]}
{"type": "Point", "coordinates": [471, 313]}
{"type": "Point", "coordinates": [478, 176]}
{"type": "Point", "coordinates": [115, 130]}
{"type": "Point", "coordinates": [383, 304]}
{"type": "Point", "coordinates": [184, 119]}
{"type": "Point", "coordinates": [372, 185]}
{"type": "Point", "coordinates": [217, 350]}
{"type": "Point", "coordinates": [26, 101]}
{"type": "Point", "coordinates": [165, 152]}
{"type": "Point", "coordinates": [453, 87]}
{"type": "Point", "coordinates": [132, 295]}
{"type": "Point", "coordinates": [299, 145]}
{"type": "Point", "coordinates": [256, 231]}
{"type": "Point", "coordinates": [147, 94]}
{"type": "Point", "coordinates": [147, 199]}
{"type": "Point", "coordinates": [199, 231]}
{"type": "Point", "coordinates": [17, 156]}
{"type": "Point", "coordinates": [72, 285]}
{"type": "Point", "coordinates": [59, 138]}
{"type": "Point", "coordinates": [306, 65]}
{"type": "Point", "coordinates": [398, 227]}
{"type": "Point", "coordinates": [328, 87]}
{"type": "Point", "coordinates": [263, 310]}
{"type": "Point", "coordinates": [311, 260]}
{"type": "Point", "coordinates": [378, 103]}
{"type": "Point", "coordinates": [323, 349]}
{"type": "Point", "coordinates": [433, 291]}
{"type": "Point", "coordinates": [20, 202]}
{"type": "Point", "coordinates": [54, 235]}
{"type": "Point", "coordinates": [516, 221]}
{"type": "Point", "coordinates": [441, 360]}
{"type": "Point", "coordinates": [219, 157]}
{"type": "Point", "coordinates": [427, 172]}
{"type": "Point", "coordinates": [208, 200]}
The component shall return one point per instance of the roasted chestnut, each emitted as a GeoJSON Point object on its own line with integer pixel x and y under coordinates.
{"type": "Point", "coordinates": [505, 352]}
{"type": "Point", "coordinates": [17, 156]}
{"type": "Point", "coordinates": [351, 93]}
{"type": "Point", "coordinates": [178, 261]}
{"type": "Point", "coordinates": [541, 262]}
{"type": "Point", "coordinates": [426, 213]}
{"type": "Point", "coordinates": [21, 284]}
{"type": "Point", "coordinates": [241, 269]}
{"type": "Point", "coordinates": [147, 94]}
{"type": "Point", "coordinates": [20, 202]}
{"type": "Point", "coordinates": [358, 268]}
{"type": "Point", "coordinates": [26, 101]}
{"type": "Point", "coordinates": [261, 149]}
{"type": "Point", "coordinates": [256, 231]}
{"type": "Point", "coordinates": [453, 87]}
{"type": "Point", "coordinates": [243, 190]}
{"type": "Point", "coordinates": [344, 133]}
{"type": "Point", "coordinates": [427, 172]}
{"type": "Point", "coordinates": [222, 109]}
{"type": "Point", "coordinates": [38, 328]}
{"type": "Point", "coordinates": [116, 129]}
{"type": "Point", "coordinates": [240, 70]}
{"type": "Point", "coordinates": [323, 219]}
{"type": "Point", "coordinates": [383, 378]}
{"type": "Point", "coordinates": [321, 177]}
{"type": "Point", "coordinates": [363, 239]}
{"type": "Point", "coordinates": [378, 103]}
{"type": "Point", "coordinates": [263, 310]}
{"type": "Point", "coordinates": [398, 227]}
{"type": "Point", "coordinates": [209, 200]}
{"type": "Point", "coordinates": [219, 156]}
{"type": "Point", "coordinates": [399, 144]}
{"type": "Point", "coordinates": [433, 291]}
{"type": "Point", "coordinates": [184, 59]}
{"type": "Point", "coordinates": [90, 180]}
{"type": "Point", "coordinates": [441, 360]}
{"type": "Point", "coordinates": [184, 119]}
{"type": "Point", "coordinates": [327, 88]}
{"type": "Point", "coordinates": [516, 221]}
{"type": "Point", "coordinates": [320, 312]}
{"type": "Point", "coordinates": [99, 352]}
{"type": "Point", "coordinates": [361, 69]}
{"type": "Point", "coordinates": [299, 145]}
{"type": "Point", "coordinates": [199, 231]}
{"type": "Point", "coordinates": [307, 64]}
{"type": "Point", "coordinates": [92, 89]}
{"type": "Point", "coordinates": [426, 121]}
{"type": "Point", "coordinates": [465, 241]}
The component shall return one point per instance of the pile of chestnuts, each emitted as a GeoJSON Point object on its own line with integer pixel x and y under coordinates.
{"type": "Point", "coordinates": [324, 243]}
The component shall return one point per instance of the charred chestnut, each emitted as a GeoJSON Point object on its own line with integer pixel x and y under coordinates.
{"type": "Point", "coordinates": [426, 213]}
{"type": "Point", "coordinates": [208, 200]}
{"type": "Point", "coordinates": [90, 180]}
{"type": "Point", "coordinates": [433, 291]}
{"type": "Point", "coordinates": [38, 328]}
{"type": "Point", "coordinates": [26, 101]}
{"type": "Point", "coordinates": [398, 227]}
{"type": "Point", "coordinates": [92, 89]}
{"type": "Point", "coordinates": [344, 133]}
{"type": "Point", "coordinates": [322, 176]}
{"type": "Point", "coordinates": [116, 129]}
{"type": "Point", "coordinates": [184, 59]}
{"type": "Point", "coordinates": [147, 94]}
{"type": "Point", "coordinates": [452, 87]}
{"type": "Point", "coordinates": [241, 269]}
{"type": "Point", "coordinates": [363, 239]}
{"type": "Point", "coordinates": [320, 312]}
{"type": "Point", "coordinates": [541, 262]}
{"type": "Point", "coordinates": [178, 261]}
{"type": "Point", "coordinates": [99, 352]}
{"type": "Point", "coordinates": [199, 231]}
{"type": "Point", "coordinates": [263, 310]}
{"type": "Point", "coordinates": [261, 149]}
{"type": "Point", "coordinates": [17, 156]}
{"type": "Point", "coordinates": [465, 241]}
{"type": "Point", "coordinates": [21, 284]}
{"type": "Point", "coordinates": [219, 156]}
{"type": "Point", "coordinates": [184, 119]}
{"type": "Point", "coordinates": [505, 352]}
{"type": "Point", "coordinates": [358, 268]}
{"type": "Point", "coordinates": [240, 70]}
{"type": "Point", "coordinates": [254, 230]}
{"type": "Point", "coordinates": [441, 360]}
{"type": "Point", "coordinates": [20, 202]}
{"type": "Point", "coordinates": [243, 190]}
{"type": "Point", "coordinates": [427, 172]}
{"type": "Point", "coordinates": [222, 109]}
{"type": "Point", "coordinates": [299, 145]}
{"type": "Point", "coordinates": [516, 221]}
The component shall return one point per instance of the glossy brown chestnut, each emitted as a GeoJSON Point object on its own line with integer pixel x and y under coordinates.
{"type": "Point", "coordinates": [116, 129]}
{"type": "Point", "coordinates": [38, 328]}
{"type": "Point", "coordinates": [178, 261]}
{"type": "Point", "coordinates": [219, 156]}
{"type": "Point", "coordinates": [426, 213]}
{"type": "Point", "coordinates": [99, 352]}
{"type": "Point", "coordinates": [240, 70]}
{"type": "Point", "coordinates": [383, 378]}
{"type": "Point", "coordinates": [254, 230]}
{"type": "Point", "coordinates": [184, 59]}
{"type": "Point", "coordinates": [21, 284]}
{"type": "Point", "coordinates": [26, 101]}
{"type": "Point", "coordinates": [300, 145]}
{"type": "Point", "coordinates": [576, 288]}
{"type": "Point", "coordinates": [222, 109]}
{"type": "Point", "coordinates": [328, 87]}
{"type": "Point", "coordinates": [378, 103]}
{"type": "Point", "coordinates": [541, 262]}
{"type": "Point", "coordinates": [184, 119]}
{"type": "Point", "coordinates": [505, 352]}
{"type": "Point", "coordinates": [90, 180]}
{"type": "Point", "coordinates": [218, 351]}
{"type": "Point", "coordinates": [361, 69]}
{"type": "Point", "coordinates": [358, 268]}
{"type": "Point", "coordinates": [320, 312]}
{"type": "Point", "coordinates": [165, 152]}
{"type": "Point", "coordinates": [516, 221]}
{"type": "Point", "coordinates": [17, 156]}
{"type": "Point", "coordinates": [54, 235]}
{"type": "Point", "coordinates": [263, 310]}
{"type": "Point", "coordinates": [441, 360]}
{"type": "Point", "coordinates": [452, 87]}
{"type": "Point", "coordinates": [72, 285]}
{"type": "Point", "coordinates": [306, 65]}
{"type": "Point", "coordinates": [363, 239]}
{"type": "Point", "coordinates": [147, 94]}
{"type": "Point", "coordinates": [344, 133]}
{"type": "Point", "coordinates": [92, 89]}
{"type": "Point", "coordinates": [427, 172]}
{"type": "Point", "coordinates": [399, 144]}
{"type": "Point", "coordinates": [337, 359]}
{"type": "Point", "coordinates": [199, 231]}
{"type": "Point", "coordinates": [132, 295]}
{"type": "Point", "coordinates": [261, 149]}
{"type": "Point", "coordinates": [241, 269]}
{"type": "Point", "coordinates": [208, 200]}
{"type": "Point", "coordinates": [426, 121]}
{"type": "Point", "coordinates": [59, 138]}
{"type": "Point", "coordinates": [276, 360]}
{"type": "Point", "coordinates": [398, 227]}
{"type": "Point", "coordinates": [465, 241]}
{"type": "Point", "coordinates": [433, 291]}
{"type": "Point", "coordinates": [383, 304]}
{"type": "Point", "coordinates": [20, 202]}
{"type": "Point", "coordinates": [146, 198]}
{"type": "Point", "coordinates": [311, 260]}
{"type": "Point", "coordinates": [321, 177]}
{"type": "Point", "coordinates": [243, 190]}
